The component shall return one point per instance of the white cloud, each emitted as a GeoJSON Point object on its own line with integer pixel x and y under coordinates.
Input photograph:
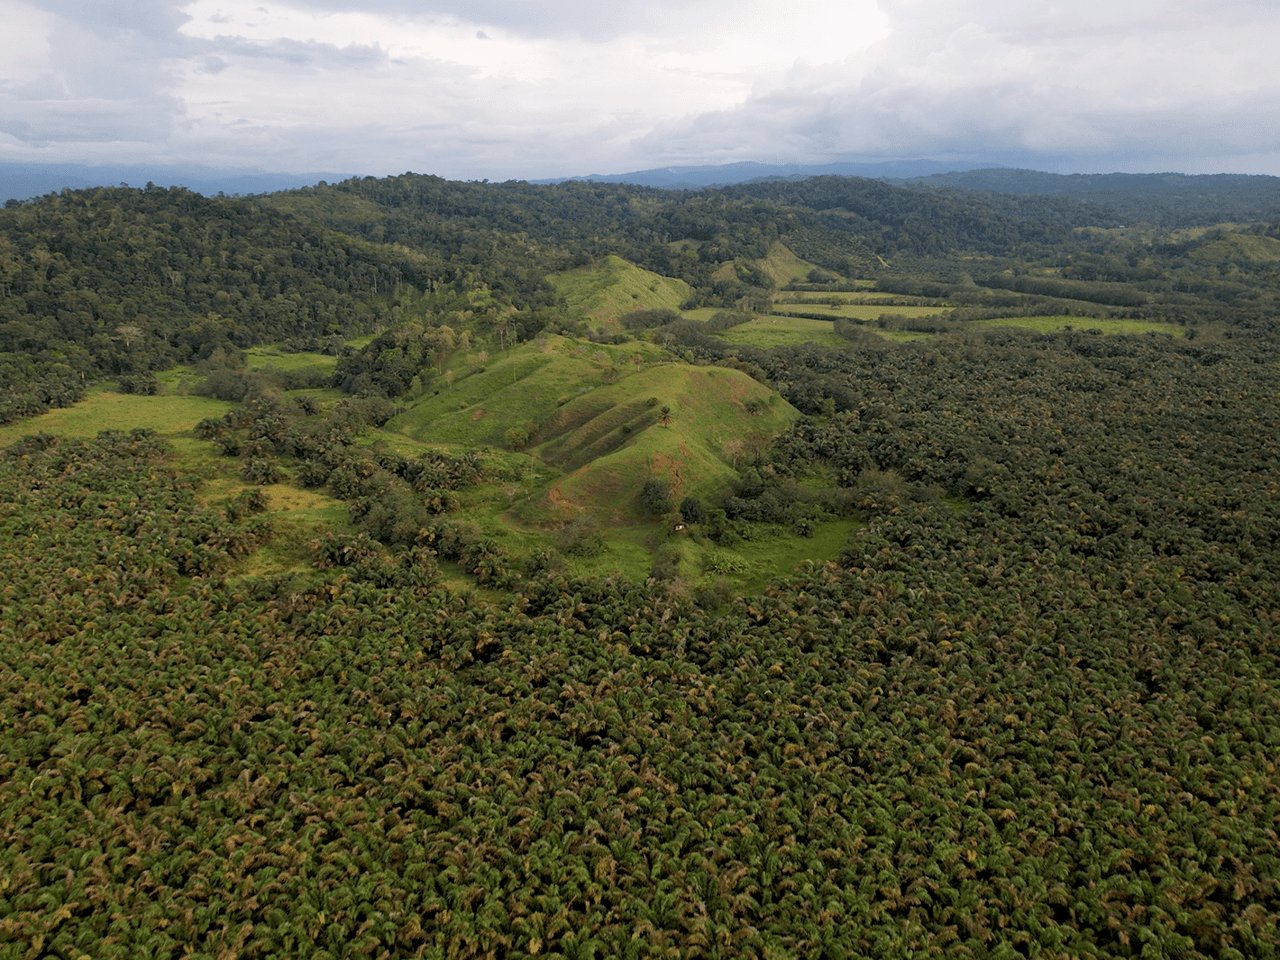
{"type": "Point", "coordinates": [497, 88]}
{"type": "Point", "coordinates": [993, 78]}
{"type": "Point", "coordinates": [26, 45]}
{"type": "Point", "coordinates": [491, 93]}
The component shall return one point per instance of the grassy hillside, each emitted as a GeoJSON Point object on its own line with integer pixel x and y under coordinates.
{"type": "Point", "coordinates": [481, 400]}
{"type": "Point", "coordinates": [614, 439]}
{"type": "Point", "coordinates": [608, 290]}
{"type": "Point", "coordinates": [594, 412]}
{"type": "Point", "coordinates": [1237, 248]}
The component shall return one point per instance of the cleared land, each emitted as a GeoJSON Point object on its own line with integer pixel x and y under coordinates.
{"type": "Point", "coordinates": [858, 311]}
{"type": "Point", "coordinates": [1054, 324]}
{"type": "Point", "coordinates": [607, 291]}
{"type": "Point", "coordinates": [171, 417]}
{"type": "Point", "coordinates": [779, 331]}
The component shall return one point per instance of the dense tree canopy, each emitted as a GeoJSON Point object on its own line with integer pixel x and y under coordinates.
{"type": "Point", "coordinates": [1031, 708]}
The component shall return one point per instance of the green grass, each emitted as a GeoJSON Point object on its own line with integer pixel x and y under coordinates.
{"type": "Point", "coordinates": [778, 555]}
{"type": "Point", "coordinates": [273, 358]}
{"type": "Point", "coordinates": [748, 567]}
{"type": "Point", "coordinates": [1238, 248]}
{"type": "Point", "coordinates": [701, 314]}
{"type": "Point", "coordinates": [783, 266]}
{"type": "Point", "coordinates": [171, 417]}
{"type": "Point", "coordinates": [805, 299]}
{"type": "Point", "coordinates": [1054, 324]}
{"type": "Point", "coordinates": [859, 311]}
{"type": "Point", "coordinates": [628, 551]}
{"type": "Point", "coordinates": [777, 331]}
{"type": "Point", "coordinates": [608, 290]}
{"type": "Point", "coordinates": [611, 439]}
{"type": "Point", "coordinates": [513, 389]}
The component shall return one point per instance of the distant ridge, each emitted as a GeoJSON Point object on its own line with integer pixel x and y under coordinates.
{"type": "Point", "coordinates": [24, 181]}
{"type": "Point", "coordinates": [696, 178]}
{"type": "Point", "coordinates": [1036, 182]}
{"type": "Point", "coordinates": [1167, 199]}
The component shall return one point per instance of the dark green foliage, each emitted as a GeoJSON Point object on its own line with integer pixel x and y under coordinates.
{"type": "Point", "coordinates": [655, 496]}
{"type": "Point", "coordinates": [580, 538]}
{"type": "Point", "coordinates": [692, 510]}
{"type": "Point", "coordinates": [142, 384]}
{"type": "Point", "coordinates": [139, 279]}
{"type": "Point", "coordinates": [1032, 709]}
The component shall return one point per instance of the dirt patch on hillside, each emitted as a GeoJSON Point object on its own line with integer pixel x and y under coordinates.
{"type": "Point", "coordinates": [669, 468]}
{"type": "Point", "coordinates": [477, 413]}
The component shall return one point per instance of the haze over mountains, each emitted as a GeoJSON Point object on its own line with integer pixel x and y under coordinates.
{"type": "Point", "coordinates": [719, 175]}
{"type": "Point", "coordinates": [23, 181]}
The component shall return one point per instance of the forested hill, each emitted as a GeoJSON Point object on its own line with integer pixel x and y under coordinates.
{"type": "Point", "coordinates": [113, 281]}
{"type": "Point", "coordinates": [1171, 200]}
{"type": "Point", "coordinates": [119, 281]}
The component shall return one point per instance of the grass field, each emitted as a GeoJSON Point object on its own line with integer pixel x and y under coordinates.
{"type": "Point", "coordinates": [765, 332]}
{"type": "Point", "coordinates": [1054, 324]}
{"type": "Point", "coordinates": [746, 567]}
{"type": "Point", "coordinates": [782, 266]}
{"type": "Point", "coordinates": [103, 409]}
{"type": "Point", "coordinates": [807, 298]}
{"type": "Point", "coordinates": [519, 387]}
{"type": "Point", "coordinates": [614, 287]}
{"type": "Point", "coordinates": [701, 314]}
{"type": "Point", "coordinates": [273, 358]}
{"type": "Point", "coordinates": [612, 440]}
{"type": "Point", "coordinates": [858, 311]}
{"type": "Point", "coordinates": [776, 556]}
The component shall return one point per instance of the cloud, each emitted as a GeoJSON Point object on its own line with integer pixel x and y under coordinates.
{"type": "Point", "coordinates": [550, 19]}
{"type": "Point", "coordinates": [516, 88]}
{"type": "Point", "coordinates": [1003, 79]}
{"type": "Point", "coordinates": [99, 80]}
{"type": "Point", "coordinates": [298, 58]}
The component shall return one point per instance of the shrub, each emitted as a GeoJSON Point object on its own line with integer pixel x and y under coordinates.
{"type": "Point", "coordinates": [692, 510]}
{"type": "Point", "coordinates": [580, 538]}
{"type": "Point", "coordinates": [655, 496]}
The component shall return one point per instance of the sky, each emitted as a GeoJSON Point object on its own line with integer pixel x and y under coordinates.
{"type": "Point", "coordinates": [527, 89]}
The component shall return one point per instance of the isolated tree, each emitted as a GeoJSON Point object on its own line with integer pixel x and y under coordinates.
{"type": "Point", "coordinates": [655, 496]}
{"type": "Point", "coordinates": [692, 510]}
{"type": "Point", "coordinates": [128, 332]}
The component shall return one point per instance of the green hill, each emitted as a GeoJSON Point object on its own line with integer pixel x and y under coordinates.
{"type": "Point", "coordinates": [594, 412]}
{"type": "Point", "coordinates": [612, 288]}
{"type": "Point", "coordinates": [613, 439]}
{"type": "Point", "coordinates": [517, 389]}
{"type": "Point", "coordinates": [1238, 248]}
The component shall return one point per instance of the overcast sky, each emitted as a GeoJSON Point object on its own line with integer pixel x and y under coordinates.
{"type": "Point", "coordinates": [504, 89]}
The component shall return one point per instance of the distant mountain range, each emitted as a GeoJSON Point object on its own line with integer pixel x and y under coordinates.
{"type": "Point", "coordinates": [1168, 199]}
{"type": "Point", "coordinates": [23, 181]}
{"type": "Point", "coordinates": [723, 175]}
